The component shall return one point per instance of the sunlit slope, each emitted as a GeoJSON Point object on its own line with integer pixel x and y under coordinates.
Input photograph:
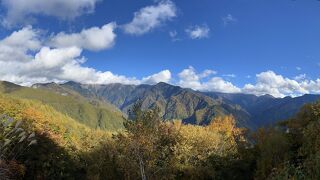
{"type": "Point", "coordinates": [44, 119]}
{"type": "Point", "coordinates": [94, 113]}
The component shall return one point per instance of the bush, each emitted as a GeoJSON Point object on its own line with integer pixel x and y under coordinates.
{"type": "Point", "coordinates": [14, 142]}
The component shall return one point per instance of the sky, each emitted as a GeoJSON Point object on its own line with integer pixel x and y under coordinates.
{"type": "Point", "coordinates": [234, 46]}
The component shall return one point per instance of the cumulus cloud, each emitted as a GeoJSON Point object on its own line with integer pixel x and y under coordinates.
{"type": "Point", "coordinates": [15, 46]}
{"type": "Point", "coordinates": [151, 17]}
{"type": "Point", "coordinates": [163, 76]}
{"type": "Point", "coordinates": [266, 83]}
{"type": "Point", "coordinates": [228, 19]}
{"type": "Point", "coordinates": [271, 83]}
{"type": "Point", "coordinates": [190, 79]}
{"type": "Point", "coordinates": [94, 38]}
{"type": "Point", "coordinates": [35, 62]}
{"type": "Point", "coordinates": [218, 84]}
{"type": "Point", "coordinates": [22, 11]}
{"type": "Point", "coordinates": [198, 32]}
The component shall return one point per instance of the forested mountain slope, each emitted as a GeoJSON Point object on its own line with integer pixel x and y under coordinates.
{"type": "Point", "coordinates": [174, 102]}
{"type": "Point", "coordinates": [93, 113]}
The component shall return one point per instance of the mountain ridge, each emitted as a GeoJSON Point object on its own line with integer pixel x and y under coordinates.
{"type": "Point", "coordinates": [191, 106]}
{"type": "Point", "coordinates": [174, 102]}
{"type": "Point", "coordinates": [258, 110]}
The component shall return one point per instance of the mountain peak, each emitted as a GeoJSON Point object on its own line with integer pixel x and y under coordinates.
{"type": "Point", "coordinates": [50, 84]}
{"type": "Point", "coordinates": [162, 84]}
{"type": "Point", "coordinates": [267, 96]}
{"type": "Point", "coordinates": [166, 87]}
{"type": "Point", "coordinates": [71, 83]}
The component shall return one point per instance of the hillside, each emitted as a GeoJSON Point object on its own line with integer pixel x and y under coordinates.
{"type": "Point", "coordinates": [93, 113]}
{"type": "Point", "coordinates": [61, 140]}
{"type": "Point", "coordinates": [174, 102]}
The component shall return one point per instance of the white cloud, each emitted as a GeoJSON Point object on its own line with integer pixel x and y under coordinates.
{"type": "Point", "coordinates": [228, 19]}
{"type": "Point", "coordinates": [270, 83]}
{"type": "Point", "coordinates": [163, 76]}
{"type": "Point", "coordinates": [94, 38]}
{"type": "Point", "coordinates": [298, 68]}
{"type": "Point", "coordinates": [22, 11]}
{"type": "Point", "coordinates": [267, 83]}
{"type": "Point", "coordinates": [300, 77]}
{"type": "Point", "coordinates": [198, 32]}
{"type": "Point", "coordinates": [218, 84]}
{"type": "Point", "coordinates": [26, 59]}
{"type": "Point", "coordinates": [36, 63]}
{"type": "Point", "coordinates": [48, 58]}
{"type": "Point", "coordinates": [190, 79]}
{"type": "Point", "coordinates": [151, 17]}
{"type": "Point", "coordinates": [207, 73]}
{"type": "Point", "coordinates": [312, 86]}
{"type": "Point", "coordinates": [15, 46]}
{"type": "Point", "coordinates": [230, 75]}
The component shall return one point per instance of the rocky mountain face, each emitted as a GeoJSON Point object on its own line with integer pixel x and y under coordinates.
{"type": "Point", "coordinates": [174, 102]}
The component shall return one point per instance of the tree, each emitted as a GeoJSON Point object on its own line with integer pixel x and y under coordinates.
{"type": "Point", "coordinates": [149, 141]}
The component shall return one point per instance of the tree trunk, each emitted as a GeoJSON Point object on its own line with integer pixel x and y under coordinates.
{"type": "Point", "coordinates": [142, 171]}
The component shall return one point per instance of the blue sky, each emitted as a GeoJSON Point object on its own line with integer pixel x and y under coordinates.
{"type": "Point", "coordinates": [250, 46]}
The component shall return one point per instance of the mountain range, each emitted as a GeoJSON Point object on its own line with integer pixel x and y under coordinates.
{"type": "Point", "coordinates": [190, 106]}
{"type": "Point", "coordinates": [106, 106]}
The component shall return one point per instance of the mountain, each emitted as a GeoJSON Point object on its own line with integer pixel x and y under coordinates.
{"type": "Point", "coordinates": [266, 110]}
{"type": "Point", "coordinates": [191, 106]}
{"type": "Point", "coordinates": [197, 107]}
{"type": "Point", "coordinates": [174, 102]}
{"type": "Point", "coordinates": [91, 112]}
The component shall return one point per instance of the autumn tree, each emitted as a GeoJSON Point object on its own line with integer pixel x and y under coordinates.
{"type": "Point", "coordinates": [146, 148]}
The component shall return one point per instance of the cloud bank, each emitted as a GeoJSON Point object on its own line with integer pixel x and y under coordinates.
{"type": "Point", "coordinates": [271, 83]}
{"type": "Point", "coordinates": [26, 59]}
{"type": "Point", "coordinates": [267, 82]}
